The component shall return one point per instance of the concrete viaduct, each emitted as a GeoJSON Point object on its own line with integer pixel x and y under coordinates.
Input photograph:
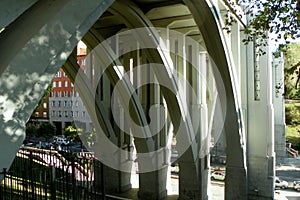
{"type": "Point", "coordinates": [173, 70]}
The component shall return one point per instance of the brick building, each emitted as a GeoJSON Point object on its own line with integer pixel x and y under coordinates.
{"type": "Point", "coordinates": [63, 106]}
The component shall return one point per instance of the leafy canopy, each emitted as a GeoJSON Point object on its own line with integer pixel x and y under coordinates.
{"type": "Point", "coordinates": [275, 19]}
{"type": "Point", "coordinates": [291, 72]}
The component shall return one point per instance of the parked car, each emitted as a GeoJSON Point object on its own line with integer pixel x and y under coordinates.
{"type": "Point", "coordinates": [296, 185]}
{"type": "Point", "coordinates": [59, 140]}
{"type": "Point", "coordinates": [281, 183]}
{"type": "Point", "coordinates": [62, 141]}
{"type": "Point", "coordinates": [218, 175]}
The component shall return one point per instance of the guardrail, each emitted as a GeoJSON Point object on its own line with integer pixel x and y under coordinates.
{"type": "Point", "coordinates": [47, 174]}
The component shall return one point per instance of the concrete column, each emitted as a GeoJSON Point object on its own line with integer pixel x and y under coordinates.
{"type": "Point", "coordinates": [152, 184]}
{"type": "Point", "coordinates": [195, 185]}
{"type": "Point", "coordinates": [260, 140]}
{"type": "Point", "coordinates": [216, 45]}
{"type": "Point", "coordinates": [117, 181]}
{"type": "Point", "coordinates": [236, 52]}
{"type": "Point", "coordinates": [279, 113]}
{"type": "Point", "coordinates": [189, 177]}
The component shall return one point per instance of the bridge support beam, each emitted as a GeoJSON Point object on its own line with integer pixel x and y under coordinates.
{"type": "Point", "coordinates": [260, 125]}
{"type": "Point", "coordinates": [152, 185]}
{"type": "Point", "coordinates": [279, 117]}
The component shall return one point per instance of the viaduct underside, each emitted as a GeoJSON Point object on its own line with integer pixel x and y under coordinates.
{"type": "Point", "coordinates": [157, 70]}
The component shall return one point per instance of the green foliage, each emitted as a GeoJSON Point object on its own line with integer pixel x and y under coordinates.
{"type": "Point", "coordinates": [77, 135]}
{"type": "Point", "coordinates": [72, 133]}
{"type": "Point", "coordinates": [88, 138]}
{"type": "Point", "coordinates": [292, 114]}
{"type": "Point", "coordinates": [31, 130]}
{"type": "Point", "coordinates": [293, 136]}
{"type": "Point", "coordinates": [280, 18]}
{"type": "Point", "coordinates": [46, 130]}
{"type": "Point", "coordinates": [291, 58]}
{"type": "Point", "coordinates": [292, 119]}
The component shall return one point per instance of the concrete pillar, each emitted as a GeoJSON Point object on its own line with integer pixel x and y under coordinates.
{"type": "Point", "coordinates": [260, 140]}
{"type": "Point", "coordinates": [279, 108]}
{"type": "Point", "coordinates": [152, 184]}
{"type": "Point", "coordinates": [216, 45]}
{"type": "Point", "coordinates": [195, 185]}
{"type": "Point", "coordinates": [190, 183]}
{"type": "Point", "coordinates": [117, 181]}
{"type": "Point", "coordinates": [236, 52]}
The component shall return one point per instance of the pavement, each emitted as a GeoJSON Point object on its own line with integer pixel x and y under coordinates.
{"type": "Point", "coordinates": [289, 171]}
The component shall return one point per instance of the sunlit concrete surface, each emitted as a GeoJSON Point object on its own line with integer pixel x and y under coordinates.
{"type": "Point", "coordinates": [213, 85]}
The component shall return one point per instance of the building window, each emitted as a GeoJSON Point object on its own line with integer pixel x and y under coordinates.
{"type": "Point", "coordinates": [65, 103]}
{"type": "Point", "coordinates": [65, 93]}
{"type": "Point", "coordinates": [66, 83]}
{"type": "Point", "coordinates": [59, 113]}
{"type": "Point", "coordinates": [59, 74]}
{"type": "Point", "coordinates": [52, 113]}
{"type": "Point", "coordinates": [66, 113]}
{"type": "Point", "coordinates": [72, 85]}
{"type": "Point", "coordinates": [59, 83]}
{"type": "Point", "coordinates": [59, 103]}
{"type": "Point", "coordinates": [65, 75]}
{"type": "Point", "coordinates": [72, 114]}
{"type": "Point", "coordinates": [71, 93]}
{"type": "Point", "coordinates": [83, 113]}
{"type": "Point", "coordinates": [52, 103]}
{"type": "Point", "coordinates": [71, 103]}
{"type": "Point", "coordinates": [83, 62]}
{"type": "Point", "coordinates": [52, 94]}
{"type": "Point", "coordinates": [59, 94]}
{"type": "Point", "coordinates": [54, 84]}
{"type": "Point", "coordinates": [77, 114]}
{"type": "Point", "coordinates": [36, 114]}
{"type": "Point", "coordinates": [76, 103]}
{"type": "Point", "coordinates": [44, 105]}
{"type": "Point", "coordinates": [45, 114]}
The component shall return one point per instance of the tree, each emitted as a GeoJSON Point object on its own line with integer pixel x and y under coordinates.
{"type": "Point", "coordinates": [275, 19]}
{"type": "Point", "coordinates": [31, 130]}
{"type": "Point", "coordinates": [291, 69]}
{"type": "Point", "coordinates": [72, 133]}
{"type": "Point", "coordinates": [46, 130]}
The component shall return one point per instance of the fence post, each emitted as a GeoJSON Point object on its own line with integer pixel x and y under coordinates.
{"type": "Point", "coordinates": [31, 174]}
{"type": "Point", "coordinates": [52, 182]}
{"type": "Point", "coordinates": [102, 181]}
{"type": "Point", "coordinates": [73, 179]}
{"type": "Point", "coordinates": [4, 179]}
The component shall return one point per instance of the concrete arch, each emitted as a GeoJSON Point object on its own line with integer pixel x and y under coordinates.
{"type": "Point", "coordinates": [92, 39]}
{"type": "Point", "coordinates": [10, 10]}
{"type": "Point", "coordinates": [49, 49]}
{"type": "Point", "coordinates": [134, 18]}
{"type": "Point", "coordinates": [43, 47]}
{"type": "Point", "coordinates": [207, 19]}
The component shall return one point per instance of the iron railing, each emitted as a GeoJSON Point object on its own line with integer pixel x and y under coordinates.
{"type": "Point", "coordinates": [47, 174]}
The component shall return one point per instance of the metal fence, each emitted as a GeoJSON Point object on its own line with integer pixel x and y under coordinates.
{"type": "Point", "coordinates": [47, 174]}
